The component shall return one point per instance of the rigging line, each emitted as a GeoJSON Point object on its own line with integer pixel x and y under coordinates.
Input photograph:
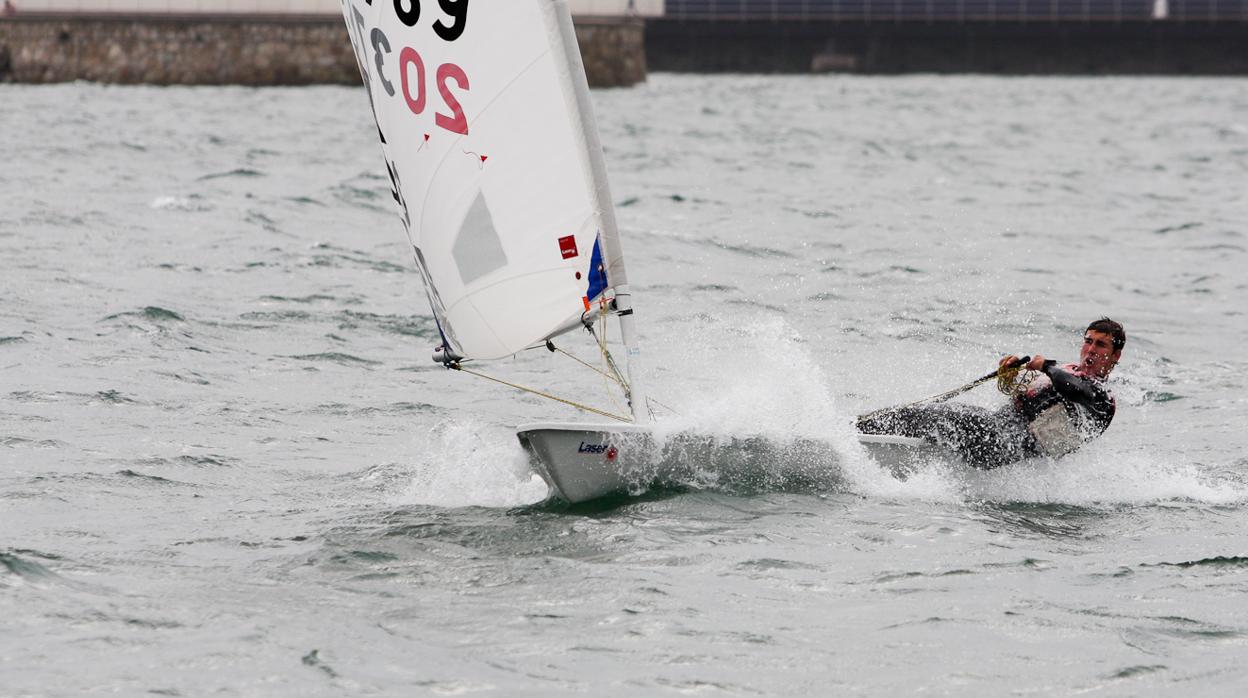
{"type": "Point", "coordinates": [606, 376]}
{"type": "Point", "coordinates": [949, 394]}
{"type": "Point", "coordinates": [933, 399]}
{"type": "Point", "coordinates": [586, 364]}
{"type": "Point", "coordinates": [650, 400]}
{"type": "Point", "coordinates": [577, 405]}
{"type": "Point", "coordinates": [602, 347]}
{"type": "Point", "coordinates": [610, 360]}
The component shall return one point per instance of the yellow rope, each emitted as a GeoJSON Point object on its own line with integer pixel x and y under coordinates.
{"type": "Point", "coordinates": [669, 409]}
{"type": "Point", "coordinates": [1011, 383]}
{"type": "Point", "coordinates": [606, 357]}
{"type": "Point", "coordinates": [586, 364]}
{"type": "Point", "coordinates": [577, 405]}
{"type": "Point", "coordinates": [606, 360]}
{"type": "Point", "coordinates": [935, 398]}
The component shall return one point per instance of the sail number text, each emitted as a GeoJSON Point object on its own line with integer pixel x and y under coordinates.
{"type": "Point", "coordinates": [457, 9]}
{"type": "Point", "coordinates": [411, 67]}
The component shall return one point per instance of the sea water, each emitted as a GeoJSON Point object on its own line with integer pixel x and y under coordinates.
{"type": "Point", "coordinates": [228, 465]}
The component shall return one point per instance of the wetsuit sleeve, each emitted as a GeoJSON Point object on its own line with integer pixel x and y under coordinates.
{"type": "Point", "coordinates": [1083, 392]}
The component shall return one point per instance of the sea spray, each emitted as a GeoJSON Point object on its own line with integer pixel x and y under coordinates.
{"type": "Point", "coordinates": [468, 462]}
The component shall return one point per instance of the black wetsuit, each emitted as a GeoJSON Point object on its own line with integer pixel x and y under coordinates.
{"type": "Point", "coordinates": [992, 438]}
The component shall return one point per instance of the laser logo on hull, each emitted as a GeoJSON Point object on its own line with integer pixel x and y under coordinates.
{"type": "Point", "coordinates": [598, 450]}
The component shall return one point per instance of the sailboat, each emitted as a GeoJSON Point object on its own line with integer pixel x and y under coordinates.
{"type": "Point", "coordinates": [492, 150]}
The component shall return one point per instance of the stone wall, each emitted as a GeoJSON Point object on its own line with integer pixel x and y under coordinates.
{"type": "Point", "coordinates": [196, 50]}
{"type": "Point", "coordinates": [613, 49]}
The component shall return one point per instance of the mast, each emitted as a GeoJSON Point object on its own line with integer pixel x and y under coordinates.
{"type": "Point", "coordinates": [632, 355]}
{"type": "Point", "coordinates": [613, 254]}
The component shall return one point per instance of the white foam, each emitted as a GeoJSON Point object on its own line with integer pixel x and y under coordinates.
{"type": "Point", "coordinates": [172, 203]}
{"type": "Point", "coordinates": [470, 463]}
{"type": "Point", "coordinates": [765, 382]}
{"type": "Point", "coordinates": [1101, 475]}
{"type": "Point", "coordinates": [759, 381]}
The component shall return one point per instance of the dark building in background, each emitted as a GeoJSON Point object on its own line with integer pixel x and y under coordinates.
{"type": "Point", "coordinates": [990, 36]}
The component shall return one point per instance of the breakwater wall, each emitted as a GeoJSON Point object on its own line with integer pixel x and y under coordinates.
{"type": "Point", "coordinates": [243, 49]}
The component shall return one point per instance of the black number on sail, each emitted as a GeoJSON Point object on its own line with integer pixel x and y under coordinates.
{"type": "Point", "coordinates": [397, 192]}
{"type": "Point", "coordinates": [360, 56]}
{"type": "Point", "coordinates": [458, 11]}
{"type": "Point", "coordinates": [379, 42]}
{"type": "Point", "coordinates": [373, 106]}
{"type": "Point", "coordinates": [408, 17]}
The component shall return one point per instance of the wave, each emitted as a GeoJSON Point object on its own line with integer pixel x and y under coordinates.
{"type": "Point", "coordinates": [20, 566]}
{"type": "Point", "coordinates": [151, 312]}
{"type": "Point", "coordinates": [243, 172]}
{"type": "Point", "coordinates": [336, 357]}
{"type": "Point", "coordinates": [1220, 562]}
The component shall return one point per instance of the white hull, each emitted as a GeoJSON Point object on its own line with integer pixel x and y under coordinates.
{"type": "Point", "coordinates": [582, 461]}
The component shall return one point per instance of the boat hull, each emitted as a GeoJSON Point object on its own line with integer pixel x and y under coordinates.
{"type": "Point", "coordinates": [581, 462]}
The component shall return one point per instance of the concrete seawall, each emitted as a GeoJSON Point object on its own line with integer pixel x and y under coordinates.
{"type": "Point", "coordinates": [243, 50]}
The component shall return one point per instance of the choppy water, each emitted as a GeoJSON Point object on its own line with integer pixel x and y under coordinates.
{"type": "Point", "coordinates": [228, 467]}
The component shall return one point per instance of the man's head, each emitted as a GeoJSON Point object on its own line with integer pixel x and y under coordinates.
{"type": "Point", "coordinates": [1102, 347]}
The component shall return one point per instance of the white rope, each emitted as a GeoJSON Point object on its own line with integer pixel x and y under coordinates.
{"type": "Point", "coordinates": [527, 389]}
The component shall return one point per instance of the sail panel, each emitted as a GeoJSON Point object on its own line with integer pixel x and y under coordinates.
{"type": "Point", "coordinates": [483, 138]}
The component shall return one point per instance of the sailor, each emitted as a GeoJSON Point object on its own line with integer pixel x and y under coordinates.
{"type": "Point", "coordinates": [1054, 413]}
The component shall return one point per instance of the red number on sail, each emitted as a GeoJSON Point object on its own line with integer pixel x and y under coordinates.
{"type": "Point", "coordinates": [457, 123]}
{"type": "Point", "coordinates": [409, 55]}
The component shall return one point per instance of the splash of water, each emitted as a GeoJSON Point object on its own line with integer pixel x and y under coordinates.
{"type": "Point", "coordinates": [765, 383]}
{"type": "Point", "coordinates": [468, 462]}
{"type": "Point", "coordinates": [788, 400]}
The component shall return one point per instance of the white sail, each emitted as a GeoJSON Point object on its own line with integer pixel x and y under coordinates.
{"type": "Point", "coordinates": [493, 154]}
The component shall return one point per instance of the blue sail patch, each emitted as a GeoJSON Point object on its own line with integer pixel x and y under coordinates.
{"type": "Point", "coordinates": [597, 272]}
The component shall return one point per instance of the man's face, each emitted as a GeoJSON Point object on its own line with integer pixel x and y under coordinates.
{"type": "Point", "coordinates": [1097, 357]}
